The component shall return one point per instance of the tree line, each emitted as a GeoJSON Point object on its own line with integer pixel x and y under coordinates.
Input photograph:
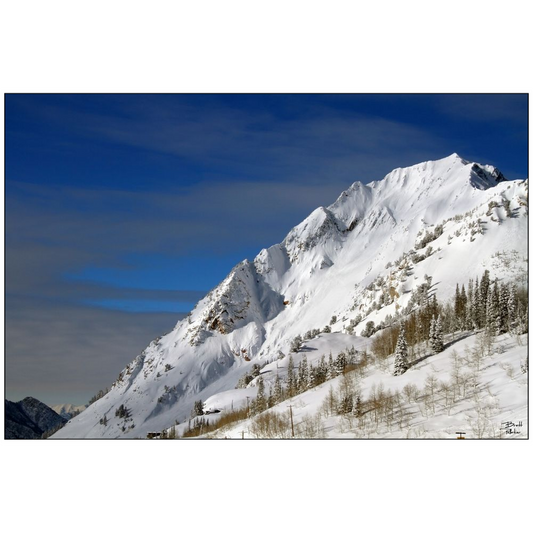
{"type": "Point", "coordinates": [486, 304]}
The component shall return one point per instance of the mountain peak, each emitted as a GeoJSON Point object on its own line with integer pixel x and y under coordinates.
{"type": "Point", "coordinates": [29, 419]}
{"type": "Point", "coordinates": [481, 176]}
{"type": "Point", "coordinates": [454, 156]}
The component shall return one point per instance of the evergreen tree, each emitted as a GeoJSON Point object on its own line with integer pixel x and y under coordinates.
{"type": "Point", "coordinates": [484, 285]}
{"type": "Point", "coordinates": [340, 363]}
{"type": "Point", "coordinates": [521, 322]}
{"type": "Point", "coordinates": [439, 342]}
{"type": "Point", "coordinates": [198, 409]}
{"type": "Point", "coordinates": [436, 341]}
{"type": "Point", "coordinates": [303, 375]}
{"type": "Point", "coordinates": [331, 371]}
{"type": "Point", "coordinates": [419, 330]}
{"type": "Point", "coordinates": [469, 305]}
{"type": "Point", "coordinates": [270, 401]}
{"type": "Point", "coordinates": [511, 307]}
{"type": "Point", "coordinates": [484, 288]}
{"type": "Point", "coordinates": [369, 330]}
{"type": "Point", "coordinates": [260, 399]}
{"type": "Point", "coordinates": [493, 319]}
{"type": "Point", "coordinates": [504, 298]}
{"type": "Point", "coordinates": [432, 332]}
{"type": "Point", "coordinates": [296, 344]}
{"type": "Point", "coordinates": [479, 311]}
{"type": "Point", "coordinates": [291, 378]}
{"type": "Point", "coordinates": [400, 355]}
{"type": "Point", "coordinates": [458, 308]}
{"type": "Point", "coordinates": [122, 412]}
{"type": "Point", "coordinates": [464, 304]}
{"type": "Point", "coordinates": [312, 377]}
{"type": "Point", "coordinates": [322, 370]}
{"type": "Point", "coordinates": [243, 382]}
{"type": "Point", "coordinates": [278, 391]}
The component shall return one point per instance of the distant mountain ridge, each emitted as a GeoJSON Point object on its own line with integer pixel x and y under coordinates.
{"type": "Point", "coordinates": [30, 419]}
{"type": "Point", "coordinates": [67, 410]}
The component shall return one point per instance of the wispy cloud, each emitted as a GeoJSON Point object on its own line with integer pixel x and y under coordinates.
{"type": "Point", "coordinates": [65, 353]}
{"type": "Point", "coordinates": [312, 142]}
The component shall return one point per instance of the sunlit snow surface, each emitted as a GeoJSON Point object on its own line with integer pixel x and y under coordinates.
{"type": "Point", "coordinates": [501, 401]}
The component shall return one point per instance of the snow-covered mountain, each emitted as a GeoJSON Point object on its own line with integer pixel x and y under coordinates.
{"type": "Point", "coordinates": [359, 260]}
{"type": "Point", "coordinates": [67, 410]}
{"type": "Point", "coordinates": [30, 419]}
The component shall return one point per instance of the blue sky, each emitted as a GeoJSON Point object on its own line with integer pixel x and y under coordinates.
{"type": "Point", "coordinates": [123, 210]}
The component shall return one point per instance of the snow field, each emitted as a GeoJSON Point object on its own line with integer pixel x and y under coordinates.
{"type": "Point", "coordinates": [495, 396]}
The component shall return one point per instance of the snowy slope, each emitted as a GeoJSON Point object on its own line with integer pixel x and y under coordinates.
{"type": "Point", "coordinates": [449, 219]}
{"type": "Point", "coordinates": [492, 404]}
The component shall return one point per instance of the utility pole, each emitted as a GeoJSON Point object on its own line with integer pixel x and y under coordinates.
{"type": "Point", "coordinates": [292, 423]}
